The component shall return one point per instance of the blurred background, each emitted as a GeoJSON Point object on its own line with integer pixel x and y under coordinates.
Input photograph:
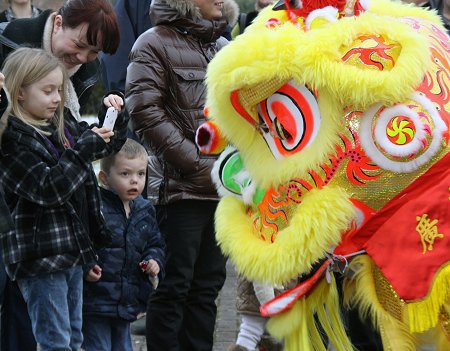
{"type": "Point", "coordinates": [244, 5]}
{"type": "Point", "coordinates": [99, 90]}
{"type": "Point", "coordinates": [42, 4]}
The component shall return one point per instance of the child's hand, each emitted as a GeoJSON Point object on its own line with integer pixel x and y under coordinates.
{"type": "Point", "coordinates": [113, 100]}
{"type": "Point", "coordinates": [94, 274]}
{"type": "Point", "coordinates": [151, 267]}
{"type": "Point", "coordinates": [104, 133]}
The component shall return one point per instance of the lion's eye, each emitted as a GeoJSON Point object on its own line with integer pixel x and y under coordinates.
{"type": "Point", "coordinates": [280, 131]}
{"type": "Point", "coordinates": [289, 119]}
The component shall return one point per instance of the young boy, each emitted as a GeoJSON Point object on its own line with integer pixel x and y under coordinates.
{"type": "Point", "coordinates": [115, 291]}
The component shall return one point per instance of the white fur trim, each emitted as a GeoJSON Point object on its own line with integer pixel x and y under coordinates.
{"type": "Point", "coordinates": [368, 144]}
{"type": "Point", "coordinates": [246, 192]}
{"type": "Point", "coordinates": [216, 177]}
{"type": "Point", "coordinates": [380, 131]}
{"type": "Point", "coordinates": [328, 12]}
{"type": "Point", "coordinates": [365, 4]}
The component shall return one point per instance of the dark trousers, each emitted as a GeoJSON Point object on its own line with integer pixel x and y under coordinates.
{"type": "Point", "coordinates": [181, 313]}
{"type": "Point", "coordinates": [16, 331]}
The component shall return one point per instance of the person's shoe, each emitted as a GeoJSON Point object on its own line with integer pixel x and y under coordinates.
{"type": "Point", "coordinates": [236, 347]}
{"type": "Point", "coordinates": [138, 326]}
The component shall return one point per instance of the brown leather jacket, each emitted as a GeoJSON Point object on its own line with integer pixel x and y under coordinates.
{"type": "Point", "coordinates": [165, 95]}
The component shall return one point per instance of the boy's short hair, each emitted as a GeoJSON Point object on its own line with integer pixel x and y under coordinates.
{"type": "Point", "coordinates": [131, 149]}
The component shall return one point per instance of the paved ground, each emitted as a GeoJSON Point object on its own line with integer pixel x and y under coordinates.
{"type": "Point", "coordinates": [227, 323]}
{"type": "Point", "coordinates": [227, 320]}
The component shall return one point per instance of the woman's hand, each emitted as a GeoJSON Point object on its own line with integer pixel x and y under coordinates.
{"type": "Point", "coordinates": [104, 133]}
{"type": "Point", "coordinates": [113, 100]}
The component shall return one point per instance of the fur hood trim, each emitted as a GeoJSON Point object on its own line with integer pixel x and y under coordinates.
{"type": "Point", "coordinates": [230, 12]}
{"type": "Point", "coordinates": [187, 8]}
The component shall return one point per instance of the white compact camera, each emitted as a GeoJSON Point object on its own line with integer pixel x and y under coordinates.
{"type": "Point", "coordinates": [110, 118]}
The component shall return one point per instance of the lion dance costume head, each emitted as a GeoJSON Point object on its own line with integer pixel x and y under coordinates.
{"type": "Point", "coordinates": [336, 114]}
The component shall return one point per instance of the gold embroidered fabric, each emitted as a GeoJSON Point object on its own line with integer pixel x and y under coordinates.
{"type": "Point", "coordinates": [387, 296]}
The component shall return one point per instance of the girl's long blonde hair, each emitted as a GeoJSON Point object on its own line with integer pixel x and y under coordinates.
{"type": "Point", "coordinates": [26, 66]}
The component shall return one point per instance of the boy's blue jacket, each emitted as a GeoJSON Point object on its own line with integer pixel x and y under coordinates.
{"type": "Point", "coordinates": [123, 289]}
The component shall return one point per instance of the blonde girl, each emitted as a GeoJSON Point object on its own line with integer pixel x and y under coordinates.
{"type": "Point", "coordinates": [51, 191]}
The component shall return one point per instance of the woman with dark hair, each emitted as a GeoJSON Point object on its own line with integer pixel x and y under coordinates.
{"type": "Point", "coordinates": [75, 34]}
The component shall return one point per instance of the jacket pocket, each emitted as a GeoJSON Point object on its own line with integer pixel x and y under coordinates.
{"type": "Point", "coordinates": [190, 74]}
{"type": "Point", "coordinates": [190, 90]}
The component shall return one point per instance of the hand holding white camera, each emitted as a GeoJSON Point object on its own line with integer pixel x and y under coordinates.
{"type": "Point", "coordinates": [114, 104]}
